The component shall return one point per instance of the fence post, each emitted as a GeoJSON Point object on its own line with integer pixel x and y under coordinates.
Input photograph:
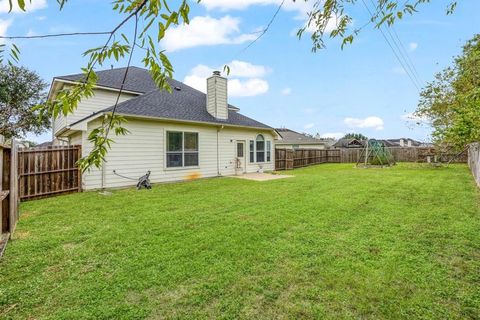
{"type": "Point", "coordinates": [13, 186]}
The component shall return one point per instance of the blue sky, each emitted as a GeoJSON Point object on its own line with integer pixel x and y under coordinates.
{"type": "Point", "coordinates": [278, 80]}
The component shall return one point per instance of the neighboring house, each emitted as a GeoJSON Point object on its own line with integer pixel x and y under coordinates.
{"type": "Point", "coordinates": [349, 143]}
{"type": "Point", "coordinates": [402, 142]}
{"type": "Point", "coordinates": [290, 139]}
{"type": "Point", "coordinates": [180, 135]}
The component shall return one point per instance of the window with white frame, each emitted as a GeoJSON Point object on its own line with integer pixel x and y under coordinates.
{"type": "Point", "coordinates": [260, 150]}
{"type": "Point", "coordinates": [182, 149]}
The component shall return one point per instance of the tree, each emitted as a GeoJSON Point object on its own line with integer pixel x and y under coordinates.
{"type": "Point", "coordinates": [20, 91]}
{"type": "Point", "coordinates": [157, 16]}
{"type": "Point", "coordinates": [357, 136]}
{"type": "Point", "coordinates": [451, 102]}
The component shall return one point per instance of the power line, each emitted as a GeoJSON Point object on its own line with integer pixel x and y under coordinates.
{"type": "Point", "coordinates": [401, 50]}
{"type": "Point", "coordinates": [57, 35]}
{"type": "Point", "coordinates": [408, 56]}
{"type": "Point", "coordinates": [262, 32]}
{"type": "Point", "coordinates": [393, 50]}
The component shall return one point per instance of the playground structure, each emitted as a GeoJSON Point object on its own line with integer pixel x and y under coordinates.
{"type": "Point", "coordinates": [375, 154]}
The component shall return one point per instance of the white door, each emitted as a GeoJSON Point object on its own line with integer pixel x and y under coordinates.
{"type": "Point", "coordinates": [240, 157]}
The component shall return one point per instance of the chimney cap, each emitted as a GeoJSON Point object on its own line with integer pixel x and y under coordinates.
{"type": "Point", "coordinates": [216, 73]}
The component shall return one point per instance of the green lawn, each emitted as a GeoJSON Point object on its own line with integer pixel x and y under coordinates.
{"type": "Point", "coordinates": [333, 242]}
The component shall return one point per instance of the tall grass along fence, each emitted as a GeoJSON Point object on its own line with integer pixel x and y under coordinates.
{"type": "Point", "coordinates": [45, 172]}
{"type": "Point", "coordinates": [474, 160]}
{"type": "Point", "coordinates": [286, 159]}
{"type": "Point", "coordinates": [8, 190]}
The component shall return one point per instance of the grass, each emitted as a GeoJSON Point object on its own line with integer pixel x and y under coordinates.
{"type": "Point", "coordinates": [333, 242]}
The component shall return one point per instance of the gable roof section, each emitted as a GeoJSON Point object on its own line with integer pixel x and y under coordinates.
{"type": "Point", "coordinates": [349, 143]}
{"type": "Point", "coordinates": [293, 137]}
{"type": "Point", "coordinates": [184, 103]}
{"type": "Point", "coordinates": [138, 79]}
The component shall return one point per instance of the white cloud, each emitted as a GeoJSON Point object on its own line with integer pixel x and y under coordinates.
{"type": "Point", "coordinates": [286, 91]}
{"type": "Point", "coordinates": [368, 122]}
{"type": "Point", "coordinates": [309, 126]}
{"type": "Point", "coordinates": [226, 5]}
{"type": "Point", "coordinates": [247, 88]}
{"type": "Point", "coordinates": [334, 135]}
{"type": "Point", "coordinates": [41, 18]}
{"type": "Point", "coordinates": [29, 6]}
{"type": "Point", "coordinates": [251, 85]}
{"type": "Point", "coordinates": [4, 24]}
{"type": "Point", "coordinates": [31, 33]}
{"type": "Point", "coordinates": [246, 69]}
{"type": "Point", "coordinates": [205, 31]}
{"type": "Point", "coordinates": [399, 70]}
{"type": "Point", "coordinates": [412, 46]}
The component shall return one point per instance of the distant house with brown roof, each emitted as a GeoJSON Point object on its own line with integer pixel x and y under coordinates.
{"type": "Point", "coordinates": [290, 139]}
{"type": "Point", "coordinates": [349, 143]}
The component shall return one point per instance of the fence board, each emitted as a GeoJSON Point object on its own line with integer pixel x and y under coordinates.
{"type": "Point", "coordinates": [48, 172]}
{"type": "Point", "coordinates": [287, 159]}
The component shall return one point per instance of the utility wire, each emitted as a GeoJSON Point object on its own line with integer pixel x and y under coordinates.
{"type": "Point", "coordinates": [402, 51]}
{"type": "Point", "coordinates": [262, 32]}
{"type": "Point", "coordinates": [408, 56]}
{"type": "Point", "coordinates": [393, 50]}
{"type": "Point", "coordinates": [57, 35]}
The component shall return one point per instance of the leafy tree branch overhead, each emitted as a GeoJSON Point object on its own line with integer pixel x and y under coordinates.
{"type": "Point", "coordinates": [157, 17]}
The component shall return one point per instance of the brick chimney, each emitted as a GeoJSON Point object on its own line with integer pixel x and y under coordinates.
{"type": "Point", "coordinates": [217, 99]}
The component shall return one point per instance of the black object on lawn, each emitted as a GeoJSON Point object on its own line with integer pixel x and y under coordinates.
{"type": "Point", "coordinates": [144, 181]}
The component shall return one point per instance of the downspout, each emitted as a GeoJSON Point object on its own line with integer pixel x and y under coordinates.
{"type": "Point", "coordinates": [218, 151]}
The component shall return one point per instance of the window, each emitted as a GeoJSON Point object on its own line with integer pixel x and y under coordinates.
{"type": "Point", "coordinates": [260, 147]}
{"type": "Point", "coordinates": [252, 151]}
{"type": "Point", "coordinates": [239, 149]}
{"type": "Point", "coordinates": [182, 149]}
{"type": "Point", "coordinates": [269, 151]}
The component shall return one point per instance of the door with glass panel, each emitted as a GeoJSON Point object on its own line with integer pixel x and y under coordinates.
{"type": "Point", "coordinates": [240, 166]}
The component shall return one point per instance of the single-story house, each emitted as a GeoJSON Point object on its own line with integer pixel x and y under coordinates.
{"type": "Point", "coordinates": [402, 142]}
{"type": "Point", "coordinates": [290, 139]}
{"type": "Point", "coordinates": [349, 143]}
{"type": "Point", "coordinates": [180, 135]}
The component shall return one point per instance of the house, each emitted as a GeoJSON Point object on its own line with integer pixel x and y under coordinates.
{"type": "Point", "coordinates": [290, 139]}
{"type": "Point", "coordinates": [349, 143]}
{"type": "Point", "coordinates": [180, 135]}
{"type": "Point", "coordinates": [402, 142]}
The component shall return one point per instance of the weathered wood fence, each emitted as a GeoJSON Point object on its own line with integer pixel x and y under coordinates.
{"type": "Point", "coordinates": [8, 189]}
{"type": "Point", "coordinates": [474, 161]}
{"type": "Point", "coordinates": [286, 159]}
{"type": "Point", "coordinates": [48, 171]}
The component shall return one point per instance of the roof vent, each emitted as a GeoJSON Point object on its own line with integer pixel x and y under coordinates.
{"type": "Point", "coordinates": [216, 73]}
{"type": "Point", "coordinates": [178, 88]}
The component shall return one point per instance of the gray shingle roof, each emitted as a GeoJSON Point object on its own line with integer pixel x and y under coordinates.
{"type": "Point", "coordinates": [293, 137]}
{"type": "Point", "coordinates": [183, 103]}
{"type": "Point", "coordinates": [138, 79]}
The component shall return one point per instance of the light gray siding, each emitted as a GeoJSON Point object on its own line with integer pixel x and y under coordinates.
{"type": "Point", "coordinates": [145, 148]}
{"type": "Point", "coordinates": [101, 100]}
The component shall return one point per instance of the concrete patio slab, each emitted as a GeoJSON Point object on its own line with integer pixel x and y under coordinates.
{"type": "Point", "coordinates": [255, 176]}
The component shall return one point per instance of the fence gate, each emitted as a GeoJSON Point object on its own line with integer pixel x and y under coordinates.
{"type": "Point", "coordinates": [48, 171]}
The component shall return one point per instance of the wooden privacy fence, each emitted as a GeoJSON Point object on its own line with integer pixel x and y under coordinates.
{"type": "Point", "coordinates": [48, 171]}
{"type": "Point", "coordinates": [408, 154]}
{"type": "Point", "coordinates": [286, 159]}
{"type": "Point", "coordinates": [8, 189]}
